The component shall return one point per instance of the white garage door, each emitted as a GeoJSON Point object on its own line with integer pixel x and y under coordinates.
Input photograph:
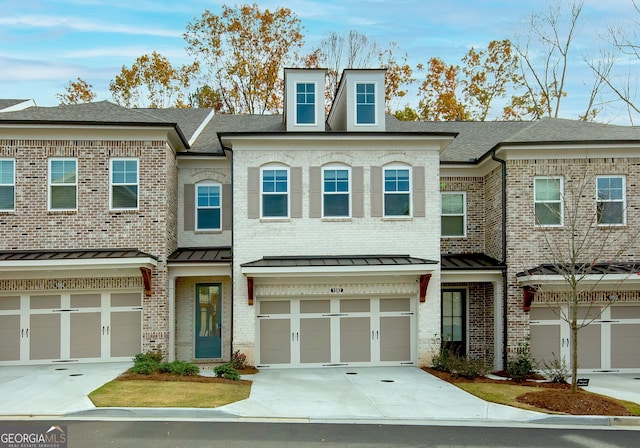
{"type": "Point", "coordinates": [335, 332]}
{"type": "Point", "coordinates": [70, 327]}
{"type": "Point", "coordinates": [608, 343]}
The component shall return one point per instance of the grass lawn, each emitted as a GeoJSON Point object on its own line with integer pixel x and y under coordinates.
{"type": "Point", "coordinates": [170, 394]}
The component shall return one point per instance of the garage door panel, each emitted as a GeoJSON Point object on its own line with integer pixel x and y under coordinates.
{"type": "Point", "coordinates": [590, 347]}
{"type": "Point", "coordinates": [625, 312]}
{"type": "Point", "coordinates": [275, 341]}
{"type": "Point", "coordinates": [85, 335]}
{"type": "Point", "coordinates": [545, 342]}
{"type": "Point", "coordinates": [355, 339]}
{"type": "Point", "coordinates": [44, 336]}
{"type": "Point", "coordinates": [625, 350]}
{"type": "Point", "coordinates": [315, 340]}
{"type": "Point", "coordinates": [9, 338]}
{"type": "Point", "coordinates": [395, 338]}
{"type": "Point", "coordinates": [126, 333]}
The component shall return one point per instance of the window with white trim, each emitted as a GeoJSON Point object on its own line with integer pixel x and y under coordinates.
{"type": "Point", "coordinates": [454, 216]}
{"type": "Point", "coordinates": [611, 200]}
{"type": "Point", "coordinates": [7, 184]}
{"type": "Point", "coordinates": [305, 103]}
{"type": "Point", "coordinates": [274, 189]}
{"type": "Point", "coordinates": [397, 191]}
{"type": "Point", "coordinates": [548, 193]}
{"type": "Point", "coordinates": [208, 206]}
{"type": "Point", "coordinates": [336, 192]}
{"type": "Point", "coordinates": [124, 184]}
{"type": "Point", "coordinates": [365, 103]}
{"type": "Point", "coordinates": [63, 184]}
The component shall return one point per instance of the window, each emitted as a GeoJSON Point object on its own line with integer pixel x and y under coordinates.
{"type": "Point", "coordinates": [208, 206]}
{"type": "Point", "coordinates": [275, 192]}
{"type": "Point", "coordinates": [335, 192]}
{"type": "Point", "coordinates": [611, 200]}
{"type": "Point", "coordinates": [365, 103]}
{"type": "Point", "coordinates": [453, 214]}
{"type": "Point", "coordinates": [63, 184]}
{"type": "Point", "coordinates": [7, 184]}
{"type": "Point", "coordinates": [305, 103]}
{"type": "Point", "coordinates": [397, 192]}
{"type": "Point", "coordinates": [548, 201]}
{"type": "Point", "coordinates": [124, 183]}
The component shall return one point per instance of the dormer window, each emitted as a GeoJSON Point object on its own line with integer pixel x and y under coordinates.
{"type": "Point", "coordinates": [365, 103]}
{"type": "Point", "coordinates": [305, 103]}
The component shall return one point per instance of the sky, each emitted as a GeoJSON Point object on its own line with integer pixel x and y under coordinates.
{"type": "Point", "coordinates": [46, 44]}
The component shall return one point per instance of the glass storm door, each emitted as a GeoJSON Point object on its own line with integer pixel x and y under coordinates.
{"type": "Point", "coordinates": [453, 321]}
{"type": "Point", "coordinates": [208, 321]}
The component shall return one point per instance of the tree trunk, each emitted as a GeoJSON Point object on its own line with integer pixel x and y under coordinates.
{"type": "Point", "coordinates": [574, 348]}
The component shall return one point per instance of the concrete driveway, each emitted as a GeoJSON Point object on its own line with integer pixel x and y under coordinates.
{"type": "Point", "coordinates": [367, 393]}
{"type": "Point", "coordinates": [52, 389]}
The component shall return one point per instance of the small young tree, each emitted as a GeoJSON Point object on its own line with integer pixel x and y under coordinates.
{"type": "Point", "coordinates": [580, 244]}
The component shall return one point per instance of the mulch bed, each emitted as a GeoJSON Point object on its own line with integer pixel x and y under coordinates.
{"type": "Point", "coordinates": [556, 397]}
{"type": "Point", "coordinates": [158, 376]}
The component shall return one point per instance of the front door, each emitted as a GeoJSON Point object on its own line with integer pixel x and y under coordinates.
{"type": "Point", "coordinates": [454, 321]}
{"type": "Point", "coordinates": [208, 320]}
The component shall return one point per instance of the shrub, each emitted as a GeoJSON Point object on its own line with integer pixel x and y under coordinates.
{"type": "Point", "coordinates": [146, 363]}
{"type": "Point", "coordinates": [238, 360]}
{"type": "Point", "coordinates": [226, 371]}
{"type": "Point", "coordinates": [182, 368]}
{"type": "Point", "coordinates": [556, 370]}
{"type": "Point", "coordinates": [523, 366]}
{"type": "Point", "coordinates": [447, 361]}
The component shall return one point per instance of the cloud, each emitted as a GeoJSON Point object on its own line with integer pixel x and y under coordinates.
{"type": "Point", "coordinates": [83, 25]}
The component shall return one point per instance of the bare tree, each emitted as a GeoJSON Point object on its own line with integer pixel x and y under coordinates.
{"type": "Point", "coordinates": [545, 55]}
{"type": "Point", "coordinates": [581, 245]}
{"type": "Point", "coordinates": [624, 55]}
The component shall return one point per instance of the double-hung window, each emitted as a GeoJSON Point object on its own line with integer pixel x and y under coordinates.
{"type": "Point", "coordinates": [453, 214]}
{"type": "Point", "coordinates": [365, 103]}
{"type": "Point", "coordinates": [63, 184]}
{"type": "Point", "coordinates": [208, 206]}
{"type": "Point", "coordinates": [305, 103]}
{"type": "Point", "coordinates": [335, 192]}
{"type": "Point", "coordinates": [397, 191]}
{"type": "Point", "coordinates": [7, 184]}
{"type": "Point", "coordinates": [549, 210]}
{"type": "Point", "coordinates": [124, 184]}
{"type": "Point", "coordinates": [275, 192]}
{"type": "Point", "coordinates": [611, 200]}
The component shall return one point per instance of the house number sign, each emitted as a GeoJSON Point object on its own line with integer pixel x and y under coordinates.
{"type": "Point", "coordinates": [337, 290]}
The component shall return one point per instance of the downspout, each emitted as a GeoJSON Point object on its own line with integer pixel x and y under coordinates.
{"type": "Point", "coordinates": [233, 295]}
{"type": "Point", "coordinates": [505, 292]}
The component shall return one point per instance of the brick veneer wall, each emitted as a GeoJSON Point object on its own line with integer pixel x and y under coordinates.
{"type": "Point", "coordinates": [151, 228]}
{"type": "Point", "coordinates": [474, 188]}
{"type": "Point", "coordinates": [526, 246]}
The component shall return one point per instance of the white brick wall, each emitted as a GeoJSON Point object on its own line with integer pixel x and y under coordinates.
{"type": "Point", "coordinates": [255, 238]}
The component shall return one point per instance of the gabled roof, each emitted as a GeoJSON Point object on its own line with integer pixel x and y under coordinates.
{"type": "Point", "coordinates": [7, 105]}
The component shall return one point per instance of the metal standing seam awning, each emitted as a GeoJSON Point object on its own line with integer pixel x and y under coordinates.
{"type": "Point", "coordinates": [200, 261]}
{"type": "Point", "coordinates": [335, 266]}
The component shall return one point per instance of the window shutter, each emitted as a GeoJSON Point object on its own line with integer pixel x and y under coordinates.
{"type": "Point", "coordinates": [357, 184]}
{"type": "Point", "coordinates": [296, 192]}
{"type": "Point", "coordinates": [376, 191]}
{"type": "Point", "coordinates": [189, 207]}
{"type": "Point", "coordinates": [315, 192]}
{"type": "Point", "coordinates": [226, 207]}
{"type": "Point", "coordinates": [419, 196]}
{"type": "Point", "coordinates": [253, 193]}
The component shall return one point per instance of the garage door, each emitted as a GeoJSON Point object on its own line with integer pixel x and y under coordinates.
{"type": "Point", "coordinates": [70, 327]}
{"type": "Point", "coordinates": [608, 343]}
{"type": "Point", "coordinates": [335, 332]}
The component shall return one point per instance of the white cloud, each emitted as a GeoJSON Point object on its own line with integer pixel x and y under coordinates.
{"type": "Point", "coordinates": [83, 25]}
